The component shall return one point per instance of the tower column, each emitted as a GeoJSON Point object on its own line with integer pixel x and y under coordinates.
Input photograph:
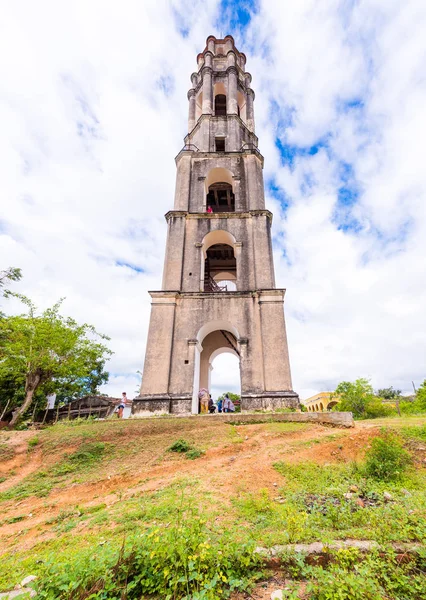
{"type": "Point", "coordinates": [207, 91]}
{"type": "Point", "coordinates": [191, 110]}
{"type": "Point", "coordinates": [232, 101]}
{"type": "Point", "coordinates": [250, 110]}
{"type": "Point", "coordinates": [206, 73]}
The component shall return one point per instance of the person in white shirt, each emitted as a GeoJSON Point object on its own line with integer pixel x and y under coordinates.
{"type": "Point", "coordinates": [228, 405]}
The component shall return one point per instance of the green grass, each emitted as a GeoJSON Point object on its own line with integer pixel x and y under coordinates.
{"type": "Point", "coordinates": [41, 483]}
{"type": "Point", "coordinates": [351, 576]}
{"type": "Point", "coordinates": [307, 505]}
{"type": "Point", "coordinates": [6, 452]}
{"type": "Point", "coordinates": [167, 527]}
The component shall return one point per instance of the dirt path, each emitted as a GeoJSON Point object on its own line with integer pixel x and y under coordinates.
{"type": "Point", "coordinates": [243, 464]}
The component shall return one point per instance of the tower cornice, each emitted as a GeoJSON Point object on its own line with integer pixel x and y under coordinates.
{"type": "Point", "coordinates": [190, 149]}
{"type": "Point", "coordinates": [183, 214]}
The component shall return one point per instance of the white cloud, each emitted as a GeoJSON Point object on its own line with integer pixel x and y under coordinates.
{"type": "Point", "coordinates": [93, 105]}
{"type": "Point", "coordinates": [354, 74]}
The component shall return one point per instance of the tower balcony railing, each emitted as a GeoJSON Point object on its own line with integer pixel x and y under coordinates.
{"type": "Point", "coordinates": [210, 285]}
{"type": "Point", "coordinates": [190, 148]}
{"type": "Point", "coordinates": [249, 146]}
{"type": "Point", "coordinates": [221, 209]}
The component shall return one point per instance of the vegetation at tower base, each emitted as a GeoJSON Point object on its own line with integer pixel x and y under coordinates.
{"type": "Point", "coordinates": [104, 510]}
{"type": "Point", "coordinates": [41, 353]}
{"type": "Point", "coordinates": [359, 398]}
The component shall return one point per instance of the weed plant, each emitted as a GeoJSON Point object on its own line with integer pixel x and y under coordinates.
{"type": "Point", "coordinates": [387, 460]}
{"type": "Point", "coordinates": [185, 558]}
{"type": "Point", "coordinates": [351, 576]}
{"type": "Point", "coordinates": [180, 446]}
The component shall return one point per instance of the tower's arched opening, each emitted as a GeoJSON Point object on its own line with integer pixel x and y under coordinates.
{"type": "Point", "coordinates": [220, 105]}
{"type": "Point", "coordinates": [241, 106]}
{"type": "Point", "coordinates": [224, 374]}
{"type": "Point", "coordinates": [220, 269]}
{"type": "Point", "coordinates": [220, 197]}
{"type": "Point", "coordinates": [213, 339]}
{"type": "Point", "coordinates": [219, 347]}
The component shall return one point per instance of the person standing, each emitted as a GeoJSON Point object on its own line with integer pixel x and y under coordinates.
{"type": "Point", "coordinates": [228, 405]}
{"type": "Point", "coordinates": [203, 396]}
{"type": "Point", "coordinates": [122, 405]}
{"type": "Point", "coordinates": [219, 405]}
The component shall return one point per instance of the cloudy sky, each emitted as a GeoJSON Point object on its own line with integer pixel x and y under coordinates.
{"type": "Point", "coordinates": [93, 110]}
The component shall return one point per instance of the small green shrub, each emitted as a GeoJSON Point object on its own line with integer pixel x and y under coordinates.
{"type": "Point", "coordinates": [194, 453]}
{"type": "Point", "coordinates": [33, 443]}
{"type": "Point", "coordinates": [179, 446]}
{"type": "Point", "coordinates": [387, 459]}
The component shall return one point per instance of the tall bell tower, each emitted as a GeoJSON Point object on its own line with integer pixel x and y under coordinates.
{"type": "Point", "coordinates": [218, 292]}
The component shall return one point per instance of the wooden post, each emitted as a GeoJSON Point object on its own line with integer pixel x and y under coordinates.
{"type": "Point", "coordinates": [5, 410]}
{"type": "Point", "coordinates": [69, 410]}
{"type": "Point", "coordinates": [34, 412]}
{"type": "Point", "coordinates": [90, 408]}
{"type": "Point", "coordinates": [57, 413]}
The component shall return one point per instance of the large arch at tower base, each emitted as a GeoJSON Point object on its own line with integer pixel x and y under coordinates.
{"type": "Point", "coordinates": [187, 328]}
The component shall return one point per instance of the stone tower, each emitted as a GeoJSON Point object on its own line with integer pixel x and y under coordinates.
{"type": "Point", "coordinates": [218, 292]}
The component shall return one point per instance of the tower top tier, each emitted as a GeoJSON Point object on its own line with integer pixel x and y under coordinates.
{"type": "Point", "coordinates": [221, 100]}
{"type": "Point", "coordinates": [219, 50]}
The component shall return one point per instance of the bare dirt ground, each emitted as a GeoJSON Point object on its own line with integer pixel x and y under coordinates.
{"type": "Point", "coordinates": [237, 460]}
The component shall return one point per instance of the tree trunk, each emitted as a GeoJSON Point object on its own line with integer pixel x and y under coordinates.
{"type": "Point", "coordinates": [31, 384]}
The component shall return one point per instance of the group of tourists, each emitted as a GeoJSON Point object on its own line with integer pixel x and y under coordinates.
{"type": "Point", "coordinates": [208, 406]}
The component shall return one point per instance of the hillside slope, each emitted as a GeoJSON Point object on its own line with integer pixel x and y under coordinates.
{"type": "Point", "coordinates": [80, 485]}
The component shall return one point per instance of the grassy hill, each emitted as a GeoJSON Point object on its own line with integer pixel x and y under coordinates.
{"type": "Point", "coordinates": [96, 508]}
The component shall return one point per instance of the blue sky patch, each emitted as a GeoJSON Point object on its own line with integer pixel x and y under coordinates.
{"type": "Point", "coordinates": [180, 22]}
{"type": "Point", "coordinates": [290, 152]}
{"type": "Point", "coordinates": [121, 263]}
{"type": "Point", "coordinates": [237, 12]}
{"type": "Point", "coordinates": [166, 83]}
{"type": "Point", "coordinates": [278, 193]}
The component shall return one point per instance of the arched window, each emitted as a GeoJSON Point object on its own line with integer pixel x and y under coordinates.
{"type": "Point", "coordinates": [220, 105]}
{"type": "Point", "coordinates": [220, 269]}
{"type": "Point", "coordinates": [220, 197]}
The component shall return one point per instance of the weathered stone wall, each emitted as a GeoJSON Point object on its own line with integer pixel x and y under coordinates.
{"type": "Point", "coordinates": [176, 321]}
{"type": "Point", "coordinates": [336, 419]}
{"type": "Point", "coordinates": [185, 253]}
{"type": "Point", "coordinates": [161, 405]}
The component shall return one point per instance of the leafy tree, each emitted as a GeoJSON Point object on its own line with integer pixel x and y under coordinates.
{"type": "Point", "coordinates": [420, 400]}
{"type": "Point", "coordinates": [49, 351]}
{"type": "Point", "coordinates": [358, 397]}
{"type": "Point", "coordinates": [388, 393]}
{"type": "Point", "coordinates": [10, 274]}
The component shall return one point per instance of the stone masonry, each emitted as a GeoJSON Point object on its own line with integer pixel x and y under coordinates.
{"type": "Point", "coordinates": [218, 292]}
